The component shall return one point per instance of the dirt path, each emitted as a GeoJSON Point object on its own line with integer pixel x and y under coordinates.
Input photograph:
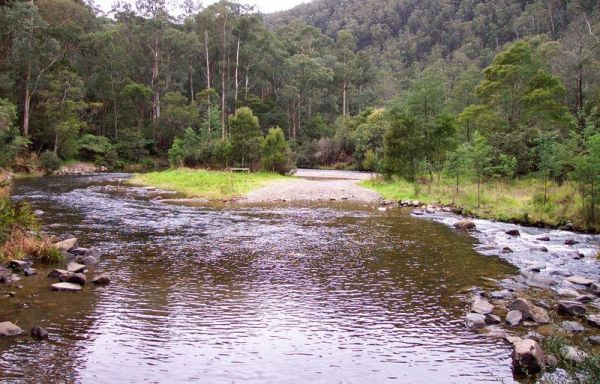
{"type": "Point", "coordinates": [316, 185]}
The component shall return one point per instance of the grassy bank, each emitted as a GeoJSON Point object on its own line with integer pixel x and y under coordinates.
{"type": "Point", "coordinates": [205, 184]}
{"type": "Point", "coordinates": [518, 201]}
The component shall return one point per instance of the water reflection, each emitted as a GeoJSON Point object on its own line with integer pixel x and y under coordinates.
{"type": "Point", "coordinates": [260, 295]}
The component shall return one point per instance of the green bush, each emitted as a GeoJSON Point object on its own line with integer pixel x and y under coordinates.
{"type": "Point", "coordinates": [50, 161]}
{"type": "Point", "coordinates": [98, 149]}
{"type": "Point", "coordinates": [276, 155]}
{"type": "Point", "coordinates": [15, 216]}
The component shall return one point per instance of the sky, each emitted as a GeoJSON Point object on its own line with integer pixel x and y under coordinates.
{"type": "Point", "coordinates": [264, 6]}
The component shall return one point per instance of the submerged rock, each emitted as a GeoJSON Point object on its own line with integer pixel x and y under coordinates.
{"type": "Point", "coordinates": [30, 271]}
{"type": "Point", "coordinates": [481, 306]}
{"type": "Point", "coordinates": [513, 232]}
{"type": "Point", "coordinates": [514, 317]}
{"type": "Point", "coordinates": [94, 252]}
{"type": "Point", "coordinates": [87, 260]}
{"type": "Point", "coordinates": [475, 321]}
{"type": "Point", "coordinates": [18, 265]}
{"type": "Point", "coordinates": [465, 225]}
{"type": "Point", "coordinates": [39, 333]}
{"type": "Point", "coordinates": [571, 242]}
{"type": "Point", "coordinates": [570, 308]}
{"type": "Point", "coordinates": [594, 340]}
{"type": "Point", "coordinates": [66, 287]}
{"type": "Point", "coordinates": [9, 329]}
{"type": "Point", "coordinates": [527, 357]}
{"type": "Point", "coordinates": [102, 279]}
{"type": "Point", "coordinates": [543, 238]}
{"type": "Point", "coordinates": [506, 250]}
{"type": "Point", "coordinates": [595, 288]}
{"type": "Point", "coordinates": [492, 319]}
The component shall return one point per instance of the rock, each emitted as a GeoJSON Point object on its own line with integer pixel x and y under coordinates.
{"type": "Point", "coordinates": [481, 306]}
{"type": "Point", "coordinates": [527, 357]}
{"type": "Point", "coordinates": [514, 317]}
{"type": "Point", "coordinates": [465, 225]}
{"type": "Point", "coordinates": [475, 321]}
{"type": "Point", "coordinates": [512, 339]}
{"type": "Point", "coordinates": [5, 275]}
{"type": "Point", "coordinates": [543, 238]}
{"type": "Point", "coordinates": [585, 299]}
{"type": "Point", "coordinates": [503, 294]}
{"type": "Point", "coordinates": [39, 333]}
{"type": "Point", "coordinates": [75, 278]}
{"type": "Point", "coordinates": [102, 279]}
{"type": "Point", "coordinates": [530, 311]}
{"type": "Point", "coordinates": [513, 232]}
{"type": "Point", "coordinates": [506, 250]}
{"type": "Point", "coordinates": [65, 245]}
{"type": "Point", "coordinates": [93, 252]}
{"type": "Point", "coordinates": [55, 274]}
{"type": "Point", "coordinates": [572, 326]}
{"type": "Point", "coordinates": [570, 308]}
{"type": "Point", "coordinates": [9, 329]}
{"type": "Point", "coordinates": [551, 361]}
{"type": "Point", "coordinates": [38, 212]}
{"type": "Point", "coordinates": [492, 319]}
{"type": "Point", "coordinates": [75, 267]}
{"type": "Point", "coordinates": [535, 336]}
{"type": "Point", "coordinates": [87, 260]}
{"type": "Point", "coordinates": [18, 265]}
{"type": "Point", "coordinates": [559, 376]}
{"type": "Point", "coordinates": [559, 272]}
{"type": "Point", "coordinates": [593, 320]}
{"type": "Point", "coordinates": [78, 251]}
{"type": "Point", "coordinates": [580, 280]}
{"type": "Point", "coordinates": [595, 288]}
{"type": "Point", "coordinates": [594, 340]}
{"type": "Point", "coordinates": [573, 354]}
{"type": "Point", "coordinates": [66, 287]}
{"type": "Point", "coordinates": [571, 242]}
{"type": "Point", "coordinates": [30, 271]}
{"type": "Point", "coordinates": [543, 249]}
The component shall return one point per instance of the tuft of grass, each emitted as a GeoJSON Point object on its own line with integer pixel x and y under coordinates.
{"type": "Point", "coordinates": [21, 244]}
{"type": "Point", "coordinates": [520, 200]}
{"type": "Point", "coordinates": [205, 184]}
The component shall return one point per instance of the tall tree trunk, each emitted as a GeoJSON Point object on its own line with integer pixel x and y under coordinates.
{"type": "Point", "coordinates": [155, 86]}
{"type": "Point", "coordinates": [237, 65]}
{"type": "Point", "coordinates": [223, 70]}
{"type": "Point", "coordinates": [208, 85]}
{"type": "Point", "coordinates": [26, 101]}
{"type": "Point", "coordinates": [344, 89]}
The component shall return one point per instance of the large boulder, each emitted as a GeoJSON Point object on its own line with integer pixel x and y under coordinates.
{"type": "Point", "coordinates": [527, 357]}
{"type": "Point", "coordinates": [475, 321]}
{"type": "Point", "coordinates": [66, 287]}
{"type": "Point", "coordinates": [65, 245]}
{"type": "Point", "coordinates": [9, 329]}
{"type": "Point", "coordinates": [570, 308]}
{"type": "Point", "coordinates": [530, 311]}
{"type": "Point", "coordinates": [75, 278]}
{"type": "Point", "coordinates": [102, 279]}
{"type": "Point", "coordinates": [514, 317]}
{"type": "Point", "coordinates": [465, 225]}
{"type": "Point", "coordinates": [481, 306]}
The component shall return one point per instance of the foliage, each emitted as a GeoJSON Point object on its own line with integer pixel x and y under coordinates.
{"type": "Point", "coordinates": [96, 148]}
{"type": "Point", "coordinates": [276, 155]}
{"type": "Point", "coordinates": [246, 137]}
{"type": "Point", "coordinates": [587, 173]}
{"type": "Point", "coordinates": [49, 161]}
{"type": "Point", "coordinates": [205, 184]}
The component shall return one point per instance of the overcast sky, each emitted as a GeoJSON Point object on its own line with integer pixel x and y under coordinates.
{"type": "Point", "coordinates": [264, 6]}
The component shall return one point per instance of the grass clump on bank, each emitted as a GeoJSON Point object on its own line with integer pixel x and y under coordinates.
{"type": "Point", "coordinates": [520, 201]}
{"type": "Point", "coordinates": [205, 184]}
{"type": "Point", "coordinates": [586, 371]}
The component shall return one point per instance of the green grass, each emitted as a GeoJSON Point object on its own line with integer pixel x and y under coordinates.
{"type": "Point", "coordinates": [205, 184]}
{"type": "Point", "coordinates": [518, 201]}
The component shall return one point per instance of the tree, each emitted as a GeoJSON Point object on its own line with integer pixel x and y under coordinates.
{"type": "Point", "coordinates": [587, 173]}
{"type": "Point", "coordinates": [551, 159]}
{"type": "Point", "coordinates": [275, 151]}
{"type": "Point", "coordinates": [402, 144]}
{"type": "Point", "coordinates": [482, 158]}
{"type": "Point", "coordinates": [459, 164]}
{"type": "Point", "coordinates": [245, 137]}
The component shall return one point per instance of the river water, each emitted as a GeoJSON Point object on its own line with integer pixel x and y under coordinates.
{"type": "Point", "coordinates": [333, 293]}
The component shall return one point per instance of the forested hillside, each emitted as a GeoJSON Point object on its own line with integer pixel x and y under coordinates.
{"type": "Point", "coordinates": [404, 87]}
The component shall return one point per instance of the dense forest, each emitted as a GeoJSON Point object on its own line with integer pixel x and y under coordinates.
{"type": "Point", "coordinates": [489, 90]}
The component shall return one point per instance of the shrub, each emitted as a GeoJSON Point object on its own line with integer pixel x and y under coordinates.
{"type": "Point", "coordinates": [97, 148]}
{"type": "Point", "coordinates": [50, 161]}
{"type": "Point", "coordinates": [276, 155]}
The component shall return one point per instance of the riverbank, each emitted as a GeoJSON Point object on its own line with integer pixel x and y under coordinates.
{"type": "Point", "coordinates": [203, 184]}
{"type": "Point", "coordinates": [521, 201]}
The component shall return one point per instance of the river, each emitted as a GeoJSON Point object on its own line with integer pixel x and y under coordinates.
{"type": "Point", "coordinates": [328, 293]}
